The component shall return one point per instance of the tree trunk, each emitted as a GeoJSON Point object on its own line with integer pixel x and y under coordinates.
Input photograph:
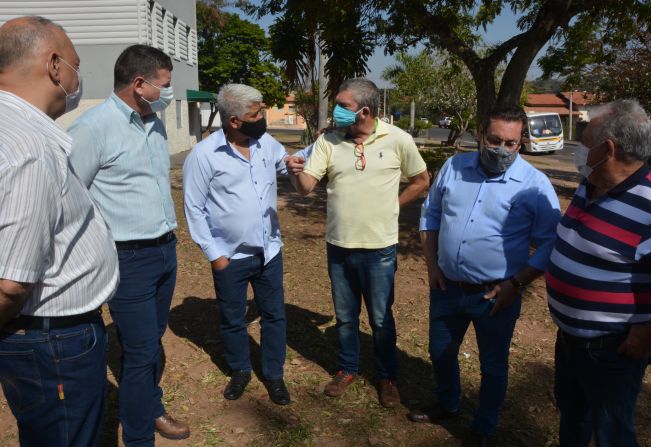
{"type": "Point", "coordinates": [484, 78]}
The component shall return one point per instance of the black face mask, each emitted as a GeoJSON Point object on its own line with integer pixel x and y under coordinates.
{"type": "Point", "coordinates": [255, 129]}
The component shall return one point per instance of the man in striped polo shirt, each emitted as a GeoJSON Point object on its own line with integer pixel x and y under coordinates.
{"type": "Point", "coordinates": [599, 280]}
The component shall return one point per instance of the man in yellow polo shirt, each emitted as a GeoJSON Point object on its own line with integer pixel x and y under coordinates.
{"type": "Point", "coordinates": [364, 159]}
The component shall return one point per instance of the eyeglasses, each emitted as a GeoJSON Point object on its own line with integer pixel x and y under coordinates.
{"type": "Point", "coordinates": [494, 141]}
{"type": "Point", "coordinates": [360, 162]}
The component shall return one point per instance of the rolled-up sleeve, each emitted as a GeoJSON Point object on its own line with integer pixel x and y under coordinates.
{"type": "Point", "coordinates": [543, 231]}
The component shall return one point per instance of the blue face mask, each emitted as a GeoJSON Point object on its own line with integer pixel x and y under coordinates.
{"type": "Point", "coordinates": [344, 117]}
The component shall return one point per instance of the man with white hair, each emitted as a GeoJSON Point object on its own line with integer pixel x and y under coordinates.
{"type": "Point", "coordinates": [598, 281]}
{"type": "Point", "coordinates": [230, 188]}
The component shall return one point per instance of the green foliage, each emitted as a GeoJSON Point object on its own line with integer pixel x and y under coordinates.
{"type": "Point", "coordinates": [352, 28]}
{"type": "Point", "coordinates": [435, 158]}
{"type": "Point", "coordinates": [403, 123]}
{"type": "Point", "coordinates": [336, 26]}
{"type": "Point", "coordinates": [235, 50]}
{"type": "Point", "coordinates": [615, 71]}
{"type": "Point", "coordinates": [436, 81]}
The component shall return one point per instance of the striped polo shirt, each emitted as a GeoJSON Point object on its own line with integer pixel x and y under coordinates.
{"type": "Point", "coordinates": [599, 273]}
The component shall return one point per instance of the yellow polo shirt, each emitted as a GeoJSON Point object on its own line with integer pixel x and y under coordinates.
{"type": "Point", "coordinates": [363, 205]}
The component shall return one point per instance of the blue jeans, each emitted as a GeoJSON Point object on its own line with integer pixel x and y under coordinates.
{"type": "Point", "coordinates": [451, 312]}
{"type": "Point", "coordinates": [356, 273]}
{"type": "Point", "coordinates": [230, 287]}
{"type": "Point", "coordinates": [596, 391]}
{"type": "Point", "coordinates": [140, 309]}
{"type": "Point", "coordinates": [55, 383]}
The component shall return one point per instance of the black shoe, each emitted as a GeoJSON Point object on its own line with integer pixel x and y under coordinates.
{"type": "Point", "coordinates": [431, 414]}
{"type": "Point", "coordinates": [235, 388]}
{"type": "Point", "coordinates": [277, 391]}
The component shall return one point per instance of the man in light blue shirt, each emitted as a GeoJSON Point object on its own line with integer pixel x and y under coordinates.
{"type": "Point", "coordinates": [482, 214]}
{"type": "Point", "coordinates": [229, 183]}
{"type": "Point", "coordinates": [120, 152]}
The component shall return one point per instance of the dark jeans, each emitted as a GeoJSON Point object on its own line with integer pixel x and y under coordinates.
{"type": "Point", "coordinates": [55, 383]}
{"type": "Point", "coordinates": [357, 273]}
{"type": "Point", "coordinates": [230, 287]}
{"type": "Point", "coordinates": [596, 391]}
{"type": "Point", "coordinates": [140, 309]}
{"type": "Point", "coordinates": [451, 312]}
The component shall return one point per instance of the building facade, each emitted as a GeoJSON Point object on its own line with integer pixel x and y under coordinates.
{"type": "Point", "coordinates": [102, 29]}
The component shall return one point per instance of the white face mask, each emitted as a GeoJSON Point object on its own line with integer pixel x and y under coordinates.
{"type": "Point", "coordinates": [72, 99]}
{"type": "Point", "coordinates": [164, 100]}
{"type": "Point", "coordinates": [581, 160]}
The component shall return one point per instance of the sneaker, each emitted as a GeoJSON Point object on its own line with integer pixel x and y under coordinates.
{"type": "Point", "coordinates": [339, 383]}
{"type": "Point", "coordinates": [389, 396]}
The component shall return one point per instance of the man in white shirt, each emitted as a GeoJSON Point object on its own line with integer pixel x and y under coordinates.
{"type": "Point", "coordinates": [58, 264]}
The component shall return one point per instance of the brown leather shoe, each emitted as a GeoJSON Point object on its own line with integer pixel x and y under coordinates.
{"type": "Point", "coordinates": [170, 428]}
{"type": "Point", "coordinates": [339, 383]}
{"type": "Point", "coordinates": [389, 396]}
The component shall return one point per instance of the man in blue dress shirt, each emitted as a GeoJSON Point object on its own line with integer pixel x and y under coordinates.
{"type": "Point", "coordinates": [477, 224]}
{"type": "Point", "coordinates": [229, 184]}
{"type": "Point", "coordinates": [120, 152]}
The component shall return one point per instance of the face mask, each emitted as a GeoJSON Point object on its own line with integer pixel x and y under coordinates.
{"type": "Point", "coordinates": [344, 117]}
{"type": "Point", "coordinates": [497, 160]}
{"type": "Point", "coordinates": [164, 99]}
{"type": "Point", "coordinates": [255, 129]}
{"type": "Point", "coordinates": [72, 99]}
{"type": "Point", "coordinates": [581, 160]}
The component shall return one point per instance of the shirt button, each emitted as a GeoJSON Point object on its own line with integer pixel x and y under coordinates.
{"type": "Point", "coordinates": [260, 198]}
{"type": "Point", "coordinates": [255, 183]}
{"type": "Point", "coordinates": [472, 220]}
{"type": "Point", "coordinates": [460, 262]}
{"type": "Point", "coordinates": [463, 242]}
{"type": "Point", "coordinates": [479, 201]}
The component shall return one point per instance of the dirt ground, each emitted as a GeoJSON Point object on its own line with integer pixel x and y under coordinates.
{"type": "Point", "coordinates": [195, 372]}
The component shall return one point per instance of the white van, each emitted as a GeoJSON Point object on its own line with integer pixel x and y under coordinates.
{"type": "Point", "coordinates": [544, 133]}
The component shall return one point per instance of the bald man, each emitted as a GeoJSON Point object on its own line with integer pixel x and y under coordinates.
{"type": "Point", "coordinates": [58, 263]}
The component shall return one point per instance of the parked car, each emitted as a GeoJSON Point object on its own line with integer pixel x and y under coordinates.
{"type": "Point", "coordinates": [445, 122]}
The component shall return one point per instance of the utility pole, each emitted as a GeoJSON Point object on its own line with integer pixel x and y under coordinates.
{"type": "Point", "coordinates": [323, 84]}
{"type": "Point", "coordinates": [412, 115]}
{"type": "Point", "coordinates": [570, 129]}
{"type": "Point", "coordinates": [384, 107]}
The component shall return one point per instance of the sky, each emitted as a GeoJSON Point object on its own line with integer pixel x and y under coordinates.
{"type": "Point", "coordinates": [503, 28]}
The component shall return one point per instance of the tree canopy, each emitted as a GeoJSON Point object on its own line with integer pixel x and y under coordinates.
{"type": "Point", "coordinates": [236, 50]}
{"type": "Point", "coordinates": [610, 69]}
{"type": "Point", "coordinates": [436, 82]}
{"type": "Point", "coordinates": [354, 27]}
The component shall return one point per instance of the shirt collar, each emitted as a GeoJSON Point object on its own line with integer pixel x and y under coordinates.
{"type": "Point", "coordinates": [44, 123]}
{"type": "Point", "coordinates": [517, 171]}
{"type": "Point", "coordinates": [632, 180]}
{"type": "Point", "coordinates": [123, 107]}
{"type": "Point", "coordinates": [222, 143]}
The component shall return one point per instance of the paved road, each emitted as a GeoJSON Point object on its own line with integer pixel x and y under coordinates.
{"type": "Point", "coordinates": [436, 133]}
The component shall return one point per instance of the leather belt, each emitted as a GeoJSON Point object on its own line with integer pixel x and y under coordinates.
{"type": "Point", "coordinates": [610, 341]}
{"type": "Point", "coordinates": [475, 288]}
{"type": "Point", "coordinates": [31, 322]}
{"type": "Point", "coordinates": [144, 243]}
